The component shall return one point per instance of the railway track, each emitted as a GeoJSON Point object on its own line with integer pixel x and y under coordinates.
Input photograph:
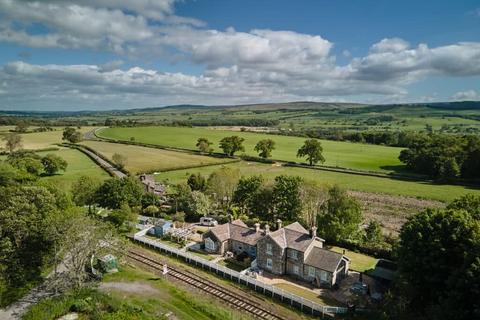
{"type": "Point", "coordinates": [230, 297]}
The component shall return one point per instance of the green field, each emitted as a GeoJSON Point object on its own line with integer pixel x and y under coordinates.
{"type": "Point", "coordinates": [339, 154]}
{"type": "Point", "coordinates": [41, 140]}
{"type": "Point", "coordinates": [345, 180]}
{"type": "Point", "coordinates": [141, 159]}
{"type": "Point", "coordinates": [78, 165]}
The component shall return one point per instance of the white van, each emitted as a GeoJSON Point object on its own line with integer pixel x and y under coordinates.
{"type": "Point", "coordinates": [207, 221]}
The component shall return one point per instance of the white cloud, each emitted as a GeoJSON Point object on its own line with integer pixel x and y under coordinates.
{"type": "Point", "coordinates": [466, 95]}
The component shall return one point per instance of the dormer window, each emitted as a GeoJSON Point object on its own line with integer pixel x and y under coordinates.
{"type": "Point", "coordinates": [293, 254]}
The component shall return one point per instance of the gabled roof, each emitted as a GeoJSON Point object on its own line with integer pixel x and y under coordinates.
{"type": "Point", "coordinates": [324, 259]}
{"type": "Point", "coordinates": [238, 231]}
{"type": "Point", "coordinates": [293, 236]}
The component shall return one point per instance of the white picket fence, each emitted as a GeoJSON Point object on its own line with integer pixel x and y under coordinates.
{"type": "Point", "coordinates": [301, 303]}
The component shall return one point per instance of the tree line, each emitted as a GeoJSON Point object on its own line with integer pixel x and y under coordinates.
{"type": "Point", "coordinates": [444, 157]}
{"type": "Point", "coordinates": [311, 149]}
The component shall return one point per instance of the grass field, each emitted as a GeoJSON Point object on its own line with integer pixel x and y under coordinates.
{"type": "Point", "coordinates": [41, 140]}
{"type": "Point", "coordinates": [345, 180]}
{"type": "Point", "coordinates": [141, 159]}
{"type": "Point", "coordinates": [341, 154]}
{"type": "Point", "coordinates": [78, 165]}
{"type": "Point", "coordinates": [135, 294]}
{"type": "Point", "coordinates": [307, 294]}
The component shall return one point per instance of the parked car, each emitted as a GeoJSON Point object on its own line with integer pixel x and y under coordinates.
{"type": "Point", "coordinates": [207, 221]}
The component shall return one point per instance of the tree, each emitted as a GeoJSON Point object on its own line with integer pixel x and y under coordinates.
{"type": "Point", "coordinates": [438, 265]}
{"type": "Point", "coordinates": [53, 163]}
{"type": "Point", "coordinates": [115, 192]}
{"type": "Point", "coordinates": [71, 135]}
{"type": "Point", "coordinates": [204, 145]}
{"type": "Point", "coordinates": [197, 182]}
{"type": "Point", "coordinates": [150, 199]}
{"type": "Point", "coordinates": [312, 149]}
{"type": "Point", "coordinates": [151, 210]}
{"type": "Point", "coordinates": [84, 191]}
{"type": "Point", "coordinates": [221, 184]}
{"type": "Point", "coordinates": [469, 203]}
{"type": "Point", "coordinates": [246, 191]}
{"type": "Point", "coordinates": [312, 198]}
{"type": "Point", "coordinates": [232, 144]}
{"type": "Point", "coordinates": [12, 141]}
{"type": "Point", "coordinates": [119, 160]}
{"type": "Point", "coordinates": [201, 204]}
{"type": "Point", "coordinates": [262, 205]}
{"type": "Point", "coordinates": [183, 198]}
{"type": "Point", "coordinates": [25, 215]}
{"type": "Point", "coordinates": [21, 127]}
{"type": "Point", "coordinates": [27, 161]}
{"type": "Point", "coordinates": [265, 147]}
{"type": "Point", "coordinates": [121, 216]}
{"type": "Point", "coordinates": [373, 233]}
{"type": "Point", "coordinates": [286, 198]}
{"type": "Point", "coordinates": [340, 216]}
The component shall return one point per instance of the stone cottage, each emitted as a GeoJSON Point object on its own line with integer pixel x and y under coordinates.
{"type": "Point", "coordinates": [234, 236]}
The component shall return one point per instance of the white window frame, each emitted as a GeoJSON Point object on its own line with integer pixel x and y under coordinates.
{"type": "Point", "coordinates": [210, 244]}
{"type": "Point", "coordinates": [311, 271]}
{"type": "Point", "coordinates": [296, 269]}
{"type": "Point", "coordinates": [269, 249]}
{"type": "Point", "coordinates": [269, 264]}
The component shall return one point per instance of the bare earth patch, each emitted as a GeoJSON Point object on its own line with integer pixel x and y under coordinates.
{"type": "Point", "coordinates": [391, 211]}
{"type": "Point", "coordinates": [129, 287]}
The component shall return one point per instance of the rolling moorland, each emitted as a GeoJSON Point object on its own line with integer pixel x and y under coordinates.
{"type": "Point", "coordinates": [163, 142]}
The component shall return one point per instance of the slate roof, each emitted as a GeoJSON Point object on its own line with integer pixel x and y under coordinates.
{"type": "Point", "coordinates": [238, 231]}
{"type": "Point", "coordinates": [323, 259]}
{"type": "Point", "coordinates": [293, 236]}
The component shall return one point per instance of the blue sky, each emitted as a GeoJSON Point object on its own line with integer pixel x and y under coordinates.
{"type": "Point", "coordinates": [99, 54]}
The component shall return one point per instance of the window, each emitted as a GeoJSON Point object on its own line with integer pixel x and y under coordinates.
{"type": "Point", "coordinates": [269, 249]}
{"type": "Point", "coordinates": [311, 271]}
{"type": "Point", "coordinates": [209, 244]}
{"type": "Point", "coordinates": [323, 275]}
{"type": "Point", "coordinates": [269, 264]}
{"type": "Point", "coordinates": [296, 270]}
{"type": "Point", "coordinates": [293, 254]}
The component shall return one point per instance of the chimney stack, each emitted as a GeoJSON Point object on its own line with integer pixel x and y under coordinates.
{"type": "Point", "coordinates": [313, 232]}
{"type": "Point", "coordinates": [279, 224]}
{"type": "Point", "coordinates": [257, 227]}
{"type": "Point", "coordinates": [267, 229]}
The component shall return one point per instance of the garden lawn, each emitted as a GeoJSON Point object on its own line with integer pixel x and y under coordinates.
{"type": "Point", "coordinates": [358, 261]}
{"type": "Point", "coordinates": [348, 181]}
{"type": "Point", "coordinates": [78, 165]}
{"type": "Point", "coordinates": [340, 154]}
{"type": "Point", "coordinates": [142, 159]}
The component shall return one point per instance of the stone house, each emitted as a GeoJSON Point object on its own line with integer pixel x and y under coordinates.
{"type": "Point", "coordinates": [294, 251]}
{"type": "Point", "coordinates": [234, 236]}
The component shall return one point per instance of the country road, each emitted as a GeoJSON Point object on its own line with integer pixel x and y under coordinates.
{"type": "Point", "coordinates": [105, 164]}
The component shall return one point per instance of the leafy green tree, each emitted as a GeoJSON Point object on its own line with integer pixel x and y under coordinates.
{"type": "Point", "coordinates": [183, 198]}
{"type": "Point", "coordinates": [121, 216]}
{"type": "Point", "coordinates": [53, 163]}
{"type": "Point", "coordinates": [373, 233]}
{"type": "Point", "coordinates": [71, 135]}
{"type": "Point", "coordinates": [201, 204]}
{"type": "Point", "coordinates": [471, 161]}
{"type": "Point", "coordinates": [27, 161]}
{"type": "Point", "coordinates": [221, 185]}
{"type": "Point", "coordinates": [340, 216]}
{"type": "Point", "coordinates": [286, 197]}
{"type": "Point", "coordinates": [13, 141]}
{"type": "Point", "coordinates": [119, 160]}
{"type": "Point", "coordinates": [115, 192]}
{"type": "Point", "coordinates": [262, 206]}
{"type": "Point", "coordinates": [204, 146]}
{"type": "Point", "coordinates": [151, 210]}
{"type": "Point", "coordinates": [469, 203]}
{"type": "Point", "coordinates": [232, 144]}
{"type": "Point", "coordinates": [84, 191]}
{"type": "Point", "coordinates": [21, 127]}
{"type": "Point", "coordinates": [10, 175]}
{"type": "Point", "coordinates": [312, 197]}
{"type": "Point", "coordinates": [438, 265]}
{"type": "Point", "coordinates": [312, 149]}
{"type": "Point", "coordinates": [197, 182]}
{"type": "Point", "coordinates": [265, 147]}
{"type": "Point", "coordinates": [246, 191]}
{"type": "Point", "coordinates": [150, 199]}
{"type": "Point", "coordinates": [24, 236]}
